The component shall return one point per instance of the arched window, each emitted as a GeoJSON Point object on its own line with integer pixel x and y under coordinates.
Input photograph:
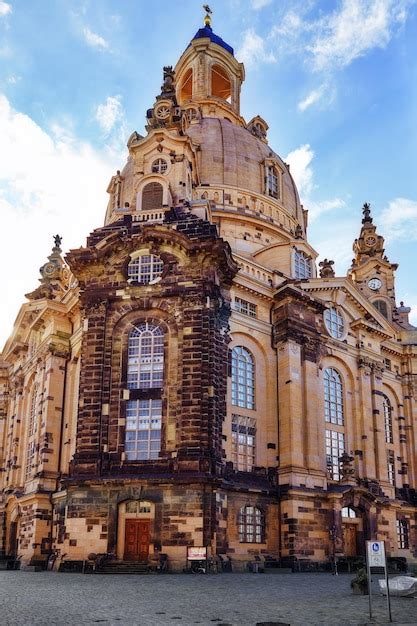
{"type": "Point", "coordinates": [186, 92]}
{"type": "Point", "coordinates": [347, 511]}
{"type": "Point", "coordinates": [382, 307]}
{"type": "Point", "coordinates": [251, 525]}
{"type": "Point", "coordinates": [334, 322]}
{"type": "Point", "coordinates": [145, 357]}
{"type": "Point", "coordinates": [333, 397]}
{"type": "Point", "coordinates": [144, 371]}
{"type": "Point", "coordinates": [152, 196]}
{"type": "Point", "coordinates": [145, 269]}
{"type": "Point", "coordinates": [243, 378]}
{"type": "Point", "coordinates": [220, 83]}
{"type": "Point", "coordinates": [389, 435]}
{"type": "Point", "coordinates": [302, 265]}
{"type": "Point", "coordinates": [402, 534]}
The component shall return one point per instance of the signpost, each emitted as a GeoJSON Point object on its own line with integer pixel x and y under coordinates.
{"type": "Point", "coordinates": [376, 563]}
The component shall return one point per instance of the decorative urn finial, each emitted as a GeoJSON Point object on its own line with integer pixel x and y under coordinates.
{"type": "Point", "coordinates": [366, 209]}
{"type": "Point", "coordinates": [326, 269]}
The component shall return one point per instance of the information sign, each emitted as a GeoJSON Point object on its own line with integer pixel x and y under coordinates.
{"type": "Point", "coordinates": [197, 553]}
{"type": "Point", "coordinates": [376, 553]}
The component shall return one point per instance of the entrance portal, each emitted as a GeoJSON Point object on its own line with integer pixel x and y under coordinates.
{"type": "Point", "coordinates": [137, 533]}
{"type": "Point", "coordinates": [353, 537]}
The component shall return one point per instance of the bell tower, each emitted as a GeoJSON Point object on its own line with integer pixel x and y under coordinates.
{"type": "Point", "coordinates": [208, 74]}
{"type": "Point", "coordinates": [371, 270]}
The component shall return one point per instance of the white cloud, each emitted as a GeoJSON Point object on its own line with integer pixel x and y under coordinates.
{"type": "Point", "coordinates": [351, 32]}
{"type": "Point", "coordinates": [260, 4]}
{"type": "Point", "coordinates": [5, 8]}
{"type": "Point", "coordinates": [110, 113]}
{"type": "Point", "coordinates": [49, 182]}
{"type": "Point", "coordinates": [12, 80]}
{"type": "Point", "coordinates": [312, 98]}
{"type": "Point", "coordinates": [399, 219]}
{"type": "Point", "coordinates": [317, 209]}
{"type": "Point", "coordinates": [94, 40]}
{"type": "Point", "coordinates": [253, 50]}
{"type": "Point", "coordinates": [299, 161]}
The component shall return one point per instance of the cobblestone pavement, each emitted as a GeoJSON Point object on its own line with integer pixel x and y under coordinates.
{"type": "Point", "coordinates": [225, 599]}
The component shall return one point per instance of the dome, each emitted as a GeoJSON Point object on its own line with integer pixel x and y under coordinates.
{"type": "Point", "coordinates": [232, 156]}
{"type": "Point", "coordinates": [207, 31]}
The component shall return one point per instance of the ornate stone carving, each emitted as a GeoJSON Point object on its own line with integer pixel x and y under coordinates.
{"type": "Point", "coordinates": [326, 270]}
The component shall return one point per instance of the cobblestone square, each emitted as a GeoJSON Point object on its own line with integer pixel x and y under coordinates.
{"type": "Point", "coordinates": [228, 599]}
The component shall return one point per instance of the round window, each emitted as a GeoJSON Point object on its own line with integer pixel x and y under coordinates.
{"type": "Point", "coordinates": [334, 322]}
{"type": "Point", "coordinates": [159, 166]}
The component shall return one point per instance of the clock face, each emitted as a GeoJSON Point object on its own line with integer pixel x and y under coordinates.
{"type": "Point", "coordinates": [374, 284]}
{"type": "Point", "coordinates": [370, 241]}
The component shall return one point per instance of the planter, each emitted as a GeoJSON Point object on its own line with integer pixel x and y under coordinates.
{"type": "Point", "coordinates": [359, 590]}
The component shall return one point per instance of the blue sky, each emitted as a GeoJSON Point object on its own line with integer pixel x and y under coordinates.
{"type": "Point", "coordinates": [336, 82]}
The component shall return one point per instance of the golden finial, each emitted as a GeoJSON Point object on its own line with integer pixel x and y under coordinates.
{"type": "Point", "coordinates": [207, 18]}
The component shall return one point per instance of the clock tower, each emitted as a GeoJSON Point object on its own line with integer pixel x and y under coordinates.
{"type": "Point", "coordinates": [371, 270]}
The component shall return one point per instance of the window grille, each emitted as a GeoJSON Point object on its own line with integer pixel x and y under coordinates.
{"type": "Point", "coordinates": [32, 412]}
{"type": "Point", "coordinates": [333, 397]}
{"type": "Point", "coordinates": [335, 447]}
{"type": "Point", "coordinates": [143, 429]}
{"type": "Point", "coordinates": [243, 442]}
{"type": "Point", "coordinates": [402, 534]}
{"type": "Point", "coordinates": [245, 307]}
{"type": "Point", "coordinates": [302, 265]}
{"type": "Point", "coordinates": [159, 166]}
{"type": "Point", "coordinates": [145, 357]}
{"type": "Point", "coordinates": [251, 525]}
{"type": "Point", "coordinates": [335, 322]}
{"type": "Point", "coordinates": [30, 459]}
{"type": "Point", "coordinates": [389, 435]}
{"type": "Point", "coordinates": [145, 269]}
{"type": "Point", "coordinates": [272, 182]}
{"type": "Point", "coordinates": [243, 378]}
{"type": "Point", "coordinates": [391, 466]}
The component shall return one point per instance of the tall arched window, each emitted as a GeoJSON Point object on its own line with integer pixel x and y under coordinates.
{"type": "Point", "coordinates": [333, 397]}
{"type": "Point", "coordinates": [152, 196]}
{"type": "Point", "coordinates": [302, 265]}
{"type": "Point", "coordinates": [333, 414]}
{"type": "Point", "coordinates": [243, 378]}
{"type": "Point", "coordinates": [251, 525]}
{"type": "Point", "coordinates": [144, 371]}
{"type": "Point", "coordinates": [389, 435]}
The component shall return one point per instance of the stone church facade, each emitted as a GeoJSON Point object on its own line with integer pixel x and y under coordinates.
{"type": "Point", "coordinates": [188, 378]}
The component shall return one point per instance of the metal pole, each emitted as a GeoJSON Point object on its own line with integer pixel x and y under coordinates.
{"type": "Point", "coordinates": [386, 582]}
{"type": "Point", "coordinates": [368, 569]}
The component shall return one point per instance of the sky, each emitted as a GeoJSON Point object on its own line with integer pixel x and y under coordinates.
{"type": "Point", "coordinates": [335, 80]}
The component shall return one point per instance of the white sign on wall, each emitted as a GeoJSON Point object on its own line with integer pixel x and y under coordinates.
{"type": "Point", "coordinates": [376, 553]}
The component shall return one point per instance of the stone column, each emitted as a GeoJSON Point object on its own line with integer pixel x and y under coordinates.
{"type": "Point", "coordinates": [365, 411]}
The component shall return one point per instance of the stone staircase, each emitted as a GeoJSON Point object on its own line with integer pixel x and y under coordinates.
{"type": "Point", "coordinates": [124, 567]}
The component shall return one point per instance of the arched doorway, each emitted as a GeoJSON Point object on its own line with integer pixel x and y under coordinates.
{"type": "Point", "coordinates": [353, 531]}
{"type": "Point", "coordinates": [12, 544]}
{"type": "Point", "coordinates": [135, 530]}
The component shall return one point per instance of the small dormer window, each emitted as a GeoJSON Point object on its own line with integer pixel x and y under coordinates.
{"type": "Point", "coordinates": [302, 265]}
{"type": "Point", "coordinates": [159, 166]}
{"type": "Point", "coordinates": [145, 269]}
{"type": "Point", "coordinates": [382, 307]}
{"type": "Point", "coordinates": [272, 182]}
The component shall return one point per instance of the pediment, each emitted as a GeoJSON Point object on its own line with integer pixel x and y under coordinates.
{"type": "Point", "coordinates": [361, 312]}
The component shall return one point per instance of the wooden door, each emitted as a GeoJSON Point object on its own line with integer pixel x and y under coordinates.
{"type": "Point", "coordinates": [349, 539]}
{"type": "Point", "coordinates": [137, 540]}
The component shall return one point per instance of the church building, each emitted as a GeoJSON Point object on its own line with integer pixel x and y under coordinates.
{"type": "Point", "coordinates": [189, 378]}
